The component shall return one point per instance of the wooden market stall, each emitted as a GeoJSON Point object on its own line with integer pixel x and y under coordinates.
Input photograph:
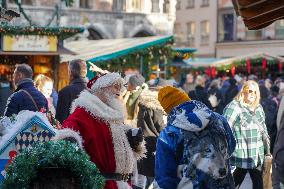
{"type": "Point", "coordinates": [143, 54]}
{"type": "Point", "coordinates": [260, 64]}
{"type": "Point", "coordinates": [39, 47]}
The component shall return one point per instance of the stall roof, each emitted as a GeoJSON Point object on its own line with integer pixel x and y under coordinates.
{"type": "Point", "coordinates": [215, 62]}
{"type": "Point", "coordinates": [258, 14]}
{"type": "Point", "coordinates": [229, 61]}
{"type": "Point", "coordinates": [196, 62]}
{"type": "Point", "coordinates": [106, 49]}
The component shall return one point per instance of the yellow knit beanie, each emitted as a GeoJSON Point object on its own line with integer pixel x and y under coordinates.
{"type": "Point", "coordinates": [171, 97]}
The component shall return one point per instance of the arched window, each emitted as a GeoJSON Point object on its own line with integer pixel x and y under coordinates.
{"type": "Point", "coordinates": [143, 33]}
{"type": "Point", "coordinates": [94, 35]}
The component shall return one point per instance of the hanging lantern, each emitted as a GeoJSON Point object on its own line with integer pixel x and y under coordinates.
{"type": "Point", "coordinates": [213, 72]}
{"type": "Point", "coordinates": [233, 71]}
{"type": "Point", "coordinates": [280, 66]}
{"type": "Point", "coordinates": [248, 66]}
{"type": "Point", "coordinates": [208, 72]}
{"type": "Point", "coordinates": [264, 63]}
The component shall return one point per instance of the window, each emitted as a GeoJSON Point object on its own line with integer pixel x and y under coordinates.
{"type": "Point", "coordinates": [253, 34]}
{"type": "Point", "coordinates": [136, 4]}
{"type": "Point", "coordinates": [166, 6]}
{"type": "Point", "coordinates": [205, 31]}
{"type": "Point", "coordinates": [279, 29]}
{"type": "Point", "coordinates": [226, 29]}
{"type": "Point", "coordinates": [178, 33]}
{"type": "Point", "coordinates": [85, 4]}
{"type": "Point", "coordinates": [178, 5]}
{"type": "Point", "coordinates": [191, 29]}
{"type": "Point", "coordinates": [190, 4]}
{"type": "Point", "coordinates": [205, 3]}
{"type": "Point", "coordinates": [155, 6]}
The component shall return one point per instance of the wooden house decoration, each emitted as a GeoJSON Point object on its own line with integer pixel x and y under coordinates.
{"type": "Point", "coordinates": [27, 129]}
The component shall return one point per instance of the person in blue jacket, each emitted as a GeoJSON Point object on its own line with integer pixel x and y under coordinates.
{"type": "Point", "coordinates": [26, 96]}
{"type": "Point", "coordinates": [193, 150]}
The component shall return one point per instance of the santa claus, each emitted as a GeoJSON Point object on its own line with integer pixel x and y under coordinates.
{"type": "Point", "coordinates": [98, 115]}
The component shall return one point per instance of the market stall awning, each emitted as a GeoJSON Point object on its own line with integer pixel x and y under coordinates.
{"type": "Point", "coordinates": [198, 62]}
{"type": "Point", "coordinates": [258, 14]}
{"type": "Point", "coordinates": [229, 61]}
{"type": "Point", "coordinates": [107, 49]}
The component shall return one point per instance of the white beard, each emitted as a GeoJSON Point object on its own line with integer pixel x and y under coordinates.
{"type": "Point", "coordinates": [115, 103]}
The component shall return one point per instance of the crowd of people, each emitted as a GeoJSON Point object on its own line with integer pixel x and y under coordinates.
{"type": "Point", "coordinates": [200, 134]}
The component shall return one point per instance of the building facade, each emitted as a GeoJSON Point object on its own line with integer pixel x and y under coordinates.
{"type": "Point", "coordinates": [235, 40]}
{"type": "Point", "coordinates": [196, 26]}
{"type": "Point", "coordinates": [104, 19]}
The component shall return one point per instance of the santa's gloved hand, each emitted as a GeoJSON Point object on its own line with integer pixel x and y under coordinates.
{"type": "Point", "coordinates": [135, 137]}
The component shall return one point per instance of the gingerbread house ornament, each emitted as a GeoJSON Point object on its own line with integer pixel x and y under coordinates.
{"type": "Point", "coordinates": [22, 132]}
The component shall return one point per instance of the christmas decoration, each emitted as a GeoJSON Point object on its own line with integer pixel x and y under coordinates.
{"type": "Point", "coordinates": [148, 57]}
{"type": "Point", "coordinates": [54, 154]}
{"type": "Point", "coordinates": [264, 63]}
{"type": "Point", "coordinates": [61, 32]}
{"type": "Point", "coordinates": [233, 71]}
{"type": "Point", "coordinates": [213, 72]}
{"type": "Point", "coordinates": [280, 65]}
{"type": "Point", "coordinates": [248, 66]}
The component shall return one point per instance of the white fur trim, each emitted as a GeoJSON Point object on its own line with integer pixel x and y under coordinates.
{"type": "Point", "coordinates": [123, 153]}
{"type": "Point", "coordinates": [107, 80]}
{"type": "Point", "coordinates": [96, 107]}
{"type": "Point", "coordinates": [68, 133]}
{"type": "Point", "coordinates": [21, 119]}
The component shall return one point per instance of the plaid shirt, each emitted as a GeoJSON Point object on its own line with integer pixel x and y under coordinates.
{"type": "Point", "coordinates": [245, 124]}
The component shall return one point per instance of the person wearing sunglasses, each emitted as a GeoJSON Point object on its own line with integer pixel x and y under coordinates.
{"type": "Point", "coordinates": [247, 120]}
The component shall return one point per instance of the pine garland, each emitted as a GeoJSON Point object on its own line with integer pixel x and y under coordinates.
{"type": "Point", "coordinates": [61, 32]}
{"type": "Point", "coordinates": [60, 154]}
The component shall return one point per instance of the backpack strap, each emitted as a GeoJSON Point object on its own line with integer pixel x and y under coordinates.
{"type": "Point", "coordinates": [30, 96]}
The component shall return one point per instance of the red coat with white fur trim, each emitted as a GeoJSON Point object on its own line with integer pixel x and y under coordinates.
{"type": "Point", "coordinates": [104, 138]}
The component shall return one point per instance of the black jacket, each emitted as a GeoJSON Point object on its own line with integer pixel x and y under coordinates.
{"type": "Point", "coordinates": [150, 120]}
{"type": "Point", "coordinates": [66, 97]}
{"type": "Point", "coordinates": [201, 95]}
{"type": "Point", "coordinates": [19, 100]}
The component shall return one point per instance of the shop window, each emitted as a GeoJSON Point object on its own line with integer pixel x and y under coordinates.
{"type": "Point", "coordinates": [178, 5]}
{"type": "Point", "coordinates": [205, 32]}
{"type": "Point", "coordinates": [253, 34]}
{"type": "Point", "coordinates": [190, 4]}
{"type": "Point", "coordinates": [226, 27]}
{"type": "Point", "coordinates": [279, 29]}
{"type": "Point", "coordinates": [205, 3]}
{"type": "Point", "coordinates": [85, 4]}
{"type": "Point", "coordinates": [191, 29]}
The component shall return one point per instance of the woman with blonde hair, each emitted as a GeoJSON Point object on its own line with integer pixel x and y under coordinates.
{"type": "Point", "coordinates": [247, 120]}
{"type": "Point", "coordinates": [45, 85]}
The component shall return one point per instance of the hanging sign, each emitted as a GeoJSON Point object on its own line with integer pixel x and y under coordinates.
{"type": "Point", "coordinates": [30, 43]}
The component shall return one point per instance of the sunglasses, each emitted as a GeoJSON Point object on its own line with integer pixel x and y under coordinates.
{"type": "Point", "coordinates": [251, 91]}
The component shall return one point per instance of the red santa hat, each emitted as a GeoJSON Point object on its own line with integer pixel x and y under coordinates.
{"type": "Point", "coordinates": [104, 80]}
